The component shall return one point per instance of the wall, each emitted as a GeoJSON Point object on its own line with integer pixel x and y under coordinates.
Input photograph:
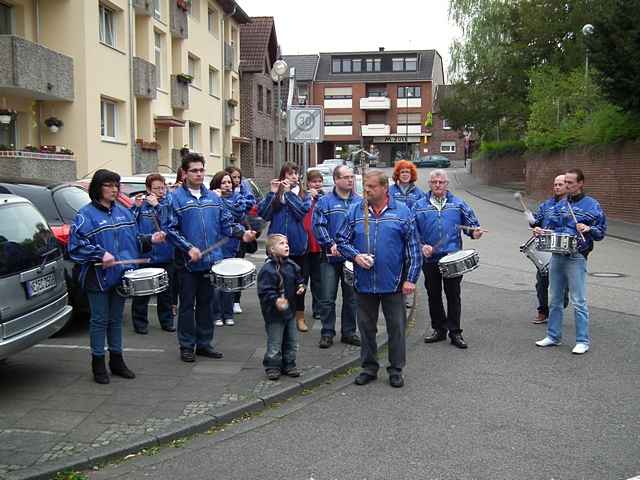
{"type": "Point", "coordinates": [505, 169]}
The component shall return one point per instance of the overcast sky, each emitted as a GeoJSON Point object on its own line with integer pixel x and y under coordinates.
{"type": "Point", "coordinates": [305, 26]}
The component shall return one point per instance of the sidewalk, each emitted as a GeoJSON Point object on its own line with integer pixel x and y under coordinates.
{"type": "Point", "coordinates": [54, 417]}
{"type": "Point", "coordinates": [504, 195]}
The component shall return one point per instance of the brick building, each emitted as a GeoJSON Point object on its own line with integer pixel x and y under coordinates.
{"type": "Point", "coordinates": [454, 144]}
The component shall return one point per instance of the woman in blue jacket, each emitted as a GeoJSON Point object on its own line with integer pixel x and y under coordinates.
{"type": "Point", "coordinates": [103, 233]}
{"type": "Point", "coordinates": [286, 206]}
{"type": "Point", "coordinates": [405, 176]}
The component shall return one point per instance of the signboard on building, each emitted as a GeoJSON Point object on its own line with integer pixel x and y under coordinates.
{"type": "Point", "coordinates": [396, 139]}
{"type": "Point", "coordinates": [305, 124]}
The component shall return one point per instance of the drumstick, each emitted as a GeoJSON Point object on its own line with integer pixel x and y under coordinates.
{"type": "Point", "coordinates": [134, 261]}
{"type": "Point", "coordinates": [218, 244]}
{"type": "Point", "coordinates": [468, 229]}
{"type": "Point", "coordinates": [575, 220]}
{"type": "Point", "coordinates": [527, 212]}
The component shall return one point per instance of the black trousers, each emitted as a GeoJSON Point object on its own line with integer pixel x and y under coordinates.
{"type": "Point", "coordinates": [301, 261]}
{"type": "Point", "coordinates": [434, 282]}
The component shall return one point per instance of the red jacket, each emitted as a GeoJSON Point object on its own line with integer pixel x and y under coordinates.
{"type": "Point", "coordinates": [314, 246]}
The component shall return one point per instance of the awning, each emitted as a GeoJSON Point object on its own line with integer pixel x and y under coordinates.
{"type": "Point", "coordinates": [169, 121]}
{"type": "Point", "coordinates": [240, 140]}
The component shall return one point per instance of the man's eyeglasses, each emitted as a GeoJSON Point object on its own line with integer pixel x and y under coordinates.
{"type": "Point", "coordinates": [196, 170]}
{"type": "Point", "coordinates": [438, 182]}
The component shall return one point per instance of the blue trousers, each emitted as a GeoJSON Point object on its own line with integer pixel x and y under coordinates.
{"type": "Point", "coordinates": [195, 322]}
{"type": "Point", "coordinates": [332, 274]}
{"type": "Point", "coordinates": [282, 344]}
{"type": "Point", "coordinates": [107, 309]}
{"type": "Point", "coordinates": [222, 304]}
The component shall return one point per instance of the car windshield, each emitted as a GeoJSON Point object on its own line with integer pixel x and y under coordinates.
{"type": "Point", "coordinates": [69, 201]}
{"type": "Point", "coordinates": [25, 239]}
{"type": "Point", "coordinates": [130, 188]}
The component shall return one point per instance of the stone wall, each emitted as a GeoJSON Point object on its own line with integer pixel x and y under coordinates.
{"type": "Point", "coordinates": [54, 167]}
{"type": "Point", "coordinates": [499, 170]}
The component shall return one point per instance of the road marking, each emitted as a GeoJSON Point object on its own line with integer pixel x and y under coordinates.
{"type": "Point", "coordinates": [86, 347]}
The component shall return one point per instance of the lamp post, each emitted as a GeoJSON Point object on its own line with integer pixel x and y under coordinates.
{"type": "Point", "coordinates": [408, 94]}
{"type": "Point", "coordinates": [587, 31]}
{"type": "Point", "coordinates": [278, 72]}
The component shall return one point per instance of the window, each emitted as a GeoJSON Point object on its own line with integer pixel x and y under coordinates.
{"type": "Point", "coordinates": [214, 81]}
{"type": "Point", "coordinates": [356, 65]}
{"type": "Point", "coordinates": [369, 63]}
{"type": "Point", "coordinates": [107, 26]}
{"type": "Point", "coordinates": [260, 98]}
{"type": "Point", "coordinates": [269, 102]}
{"type": "Point", "coordinates": [258, 152]}
{"type": "Point", "coordinates": [336, 93]}
{"type": "Point", "coordinates": [448, 147]}
{"type": "Point", "coordinates": [193, 68]}
{"type": "Point", "coordinates": [5, 19]}
{"type": "Point", "coordinates": [377, 64]}
{"type": "Point", "coordinates": [377, 92]}
{"type": "Point", "coordinates": [265, 152]}
{"type": "Point", "coordinates": [159, 57]}
{"type": "Point", "coordinates": [346, 65]}
{"type": "Point", "coordinates": [213, 21]}
{"type": "Point", "coordinates": [194, 136]}
{"type": "Point", "coordinates": [409, 92]}
{"type": "Point", "coordinates": [109, 119]}
{"type": "Point", "coordinates": [445, 124]}
{"type": "Point", "coordinates": [157, 12]}
{"type": "Point", "coordinates": [336, 66]}
{"type": "Point", "coordinates": [410, 64]}
{"type": "Point", "coordinates": [338, 120]}
{"type": "Point", "coordinates": [398, 64]}
{"type": "Point", "coordinates": [270, 154]}
{"type": "Point", "coordinates": [214, 141]}
{"type": "Point", "coordinates": [410, 119]}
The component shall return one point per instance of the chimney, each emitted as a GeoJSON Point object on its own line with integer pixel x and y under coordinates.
{"type": "Point", "coordinates": [381, 49]}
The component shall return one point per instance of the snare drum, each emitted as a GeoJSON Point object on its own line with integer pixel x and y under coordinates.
{"type": "Point", "coordinates": [233, 274]}
{"type": "Point", "coordinates": [539, 258]}
{"type": "Point", "coordinates": [144, 281]}
{"type": "Point", "coordinates": [458, 263]}
{"type": "Point", "coordinates": [557, 243]}
{"type": "Point", "coordinates": [347, 271]}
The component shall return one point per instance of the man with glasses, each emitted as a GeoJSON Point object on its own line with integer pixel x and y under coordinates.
{"type": "Point", "coordinates": [153, 212]}
{"type": "Point", "coordinates": [439, 216]}
{"type": "Point", "coordinates": [328, 215]}
{"type": "Point", "coordinates": [199, 221]}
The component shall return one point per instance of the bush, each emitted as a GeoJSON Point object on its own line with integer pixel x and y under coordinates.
{"type": "Point", "coordinates": [498, 149]}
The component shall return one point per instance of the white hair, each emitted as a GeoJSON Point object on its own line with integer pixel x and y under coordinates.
{"type": "Point", "coordinates": [438, 172]}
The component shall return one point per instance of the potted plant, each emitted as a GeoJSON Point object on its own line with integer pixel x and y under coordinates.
{"type": "Point", "coordinates": [54, 124]}
{"type": "Point", "coordinates": [232, 102]}
{"type": "Point", "coordinates": [184, 4]}
{"type": "Point", "coordinates": [6, 115]}
{"type": "Point", "coordinates": [48, 149]}
{"type": "Point", "coordinates": [184, 78]}
{"type": "Point", "coordinates": [31, 148]}
{"type": "Point", "coordinates": [65, 151]}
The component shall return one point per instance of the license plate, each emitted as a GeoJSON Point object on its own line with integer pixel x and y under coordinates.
{"type": "Point", "coordinates": [41, 284]}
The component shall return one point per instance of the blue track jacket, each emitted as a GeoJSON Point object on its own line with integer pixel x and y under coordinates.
{"type": "Point", "coordinates": [200, 223]}
{"type": "Point", "coordinates": [544, 211]}
{"type": "Point", "coordinates": [287, 219]}
{"type": "Point", "coordinates": [97, 230]}
{"type": "Point", "coordinates": [236, 205]}
{"type": "Point", "coordinates": [277, 278]}
{"type": "Point", "coordinates": [409, 197]}
{"type": "Point", "coordinates": [328, 215]}
{"type": "Point", "coordinates": [441, 229]}
{"type": "Point", "coordinates": [393, 241]}
{"type": "Point", "coordinates": [161, 252]}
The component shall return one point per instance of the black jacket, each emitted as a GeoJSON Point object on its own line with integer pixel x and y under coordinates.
{"type": "Point", "coordinates": [274, 279]}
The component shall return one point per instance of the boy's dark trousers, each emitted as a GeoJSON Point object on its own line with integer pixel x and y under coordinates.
{"type": "Point", "coordinates": [282, 343]}
{"type": "Point", "coordinates": [140, 305]}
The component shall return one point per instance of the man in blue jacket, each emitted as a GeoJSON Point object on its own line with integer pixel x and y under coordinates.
{"type": "Point", "coordinates": [439, 216]}
{"type": "Point", "coordinates": [153, 213]}
{"type": "Point", "coordinates": [199, 221]}
{"type": "Point", "coordinates": [328, 215]}
{"type": "Point", "coordinates": [381, 241]}
{"type": "Point", "coordinates": [571, 270]}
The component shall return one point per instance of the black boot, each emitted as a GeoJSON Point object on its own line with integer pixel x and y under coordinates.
{"type": "Point", "coordinates": [118, 367]}
{"type": "Point", "coordinates": [100, 374]}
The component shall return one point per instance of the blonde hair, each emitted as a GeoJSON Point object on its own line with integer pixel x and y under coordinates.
{"type": "Point", "coordinates": [272, 240]}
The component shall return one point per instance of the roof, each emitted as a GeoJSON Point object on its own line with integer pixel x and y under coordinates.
{"type": "Point", "coordinates": [423, 73]}
{"type": "Point", "coordinates": [305, 65]}
{"type": "Point", "coordinates": [232, 8]}
{"type": "Point", "coordinates": [257, 40]}
{"type": "Point", "coordinates": [31, 182]}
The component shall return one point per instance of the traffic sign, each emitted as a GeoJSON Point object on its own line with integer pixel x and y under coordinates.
{"type": "Point", "coordinates": [305, 124]}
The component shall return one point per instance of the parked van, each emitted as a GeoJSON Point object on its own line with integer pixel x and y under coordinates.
{"type": "Point", "coordinates": [33, 292]}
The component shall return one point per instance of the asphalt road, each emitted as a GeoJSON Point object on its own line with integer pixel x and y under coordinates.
{"type": "Point", "coordinates": [503, 409]}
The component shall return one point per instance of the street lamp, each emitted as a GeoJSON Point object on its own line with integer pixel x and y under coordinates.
{"type": "Point", "coordinates": [408, 94]}
{"type": "Point", "coordinates": [587, 31]}
{"type": "Point", "coordinates": [279, 71]}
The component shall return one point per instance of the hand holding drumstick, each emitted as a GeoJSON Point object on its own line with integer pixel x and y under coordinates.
{"type": "Point", "coordinates": [476, 232]}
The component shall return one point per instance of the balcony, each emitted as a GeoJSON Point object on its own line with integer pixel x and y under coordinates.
{"type": "Point", "coordinates": [144, 78]}
{"type": "Point", "coordinates": [409, 103]}
{"type": "Point", "coordinates": [229, 57]}
{"type": "Point", "coordinates": [338, 130]}
{"type": "Point", "coordinates": [178, 21]}
{"type": "Point", "coordinates": [145, 160]}
{"type": "Point", "coordinates": [52, 166]}
{"type": "Point", "coordinates": [375, 103]}
{"type": "Point", "coordinates": [409, 130]}
{"type": "Point", "coordinates": [179, 93]}
{"type": "Point", "coordinates": [229, 114]}
{"type": "Point", "coordinates": [337, 103]}
{"type": "Point", "coordinates": [143, 7]}
{"type": "Point", "coordinates": [375, 130]}
{"type": "Point", "coordinates": [33, 71]}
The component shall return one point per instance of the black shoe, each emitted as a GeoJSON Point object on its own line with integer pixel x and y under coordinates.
{"type": "Point", "coordinates": [141, 331]}
{"type": "Point", "coordinates": [396, 380]}
{"type": "Point", "coordinates": [316, 316]}
{"type": "Point", "coordinates": [436, 336]}
{"type": "Point", "coordinates": [99, 368]}
{"type": "Point", "coordinates": [457, 340]}
{"type": "Point", "coordinates": [325, 341]}
{"type": "Point", "coordinates": [363, 378]}
{"type": "Point", "coordinates": [168, 328]}
{"type": "Point", "coordinates": [272, 373]}
{"type": "Point", "coordinates": [118, 367]}
{"type": "Point", "coordinates": [187, 356]}
{"type": "Point", "coordinates": [292, 372]}
{"type": "Point", "coordinates": [351, 340]}
{"type": "Point", "coordinates": [208, 352]}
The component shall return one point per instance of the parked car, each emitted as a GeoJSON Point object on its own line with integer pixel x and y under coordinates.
{"type": "Point", "coordinates": [123, 198]}
{"type": "Point", "coordinates": [334, 162]}
{"type": "Point", "coordinates": [327, 177]}
{"type": "Point", "coordinates": [433, 161]}
{"type": "Point", "coordinates": [32, 277]}
{"type": "Point", "coordinates": [58, 202]}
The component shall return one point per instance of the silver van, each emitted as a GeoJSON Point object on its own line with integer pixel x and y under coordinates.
{"type": "Point", "coordinates": [33, 293]}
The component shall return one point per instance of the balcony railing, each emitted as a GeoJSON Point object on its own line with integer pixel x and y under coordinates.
{"type": "Point", "coordinates": [143, 7]}
{"type": "Point", "coordinates": [409, 103]}
{"type": "Point", "coordinates": [179, 93]}
{"type": "Point", "coordinates": [375, 129]}
{"type": "Point", "coordinates": [144, 78]}
{"type": "Point", "coordinates": [52, 166]}
{"type": "Point", "coordinates": [229, 57]}
{"type": "Point", "coordinates": [338, 130]}
{"type": "Point", "coordinates": [337, 103]}
{"type": "Point", "coordinates": [409, 129]}
{"type": "Point", "coordinates": [375, 103]}
{"type": "Point", "coordinates": [229, 115]}
{"type": "Point", "coordinates": [30, 70]}
{"type": "Point", "coordinates": [178, 21]}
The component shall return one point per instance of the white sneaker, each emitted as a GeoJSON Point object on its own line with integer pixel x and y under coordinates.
{"type": "Point", "coordinates": [237, 308]}
{"type": "Point", "coordinates": [547, 342]}
{"type": "Point", "coordinates": [229, 322]}
{"type": "Point", "coordinates": [218, 323]}
{"type": "Point", "coordinates": [580, 348]}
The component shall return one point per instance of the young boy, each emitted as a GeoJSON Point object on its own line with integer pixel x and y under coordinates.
{"type": "Point", "coordinates": [279, 282]}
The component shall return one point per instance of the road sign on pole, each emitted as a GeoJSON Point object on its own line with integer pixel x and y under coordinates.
{"type": "Point", "coordinates": [305, 124]}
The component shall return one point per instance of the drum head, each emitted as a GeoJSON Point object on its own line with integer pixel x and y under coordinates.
{"type": "Point", "coordinates": [144, 272]}
{"type": "Point", "coordinates": [459, 255]}
{"type": "Point", "coordinates": [233, 266]}
{"type": "Point", "coordinates": [348, 265]}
